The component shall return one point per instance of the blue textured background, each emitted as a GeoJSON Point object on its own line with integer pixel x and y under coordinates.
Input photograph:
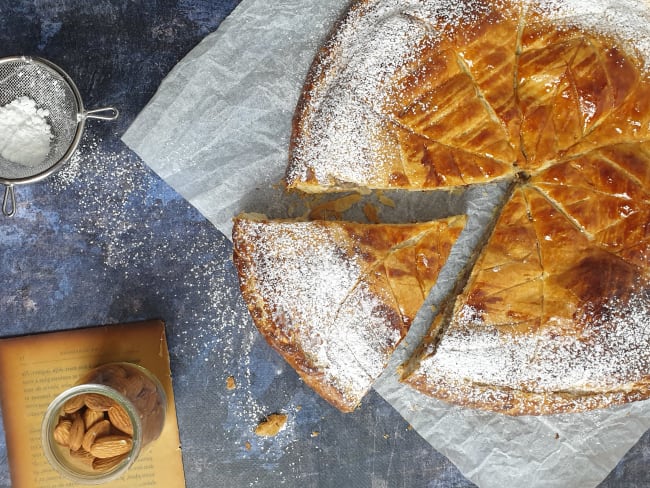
{"type": "Point", "coordinates": [106, 241]}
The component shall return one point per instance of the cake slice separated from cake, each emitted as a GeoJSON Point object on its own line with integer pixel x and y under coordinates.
{"type": "Point", "coordinates": [336, 298]}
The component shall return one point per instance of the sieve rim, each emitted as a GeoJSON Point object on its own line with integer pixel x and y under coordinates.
{"type": "Point", "coordinates": [81, 120]}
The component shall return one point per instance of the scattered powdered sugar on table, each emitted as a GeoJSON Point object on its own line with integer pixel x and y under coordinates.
{"type": "Point", "coordinates": [25, 133]}
{"type": "Point", "coordinates": [104, 211]}
{"type": "Point", "coordinates": [211, 328]}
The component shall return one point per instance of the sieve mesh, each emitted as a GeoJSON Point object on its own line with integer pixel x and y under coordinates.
{"type": "Point", "coordinates": [50, 91]}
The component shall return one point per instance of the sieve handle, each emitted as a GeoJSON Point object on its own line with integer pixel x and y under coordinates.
{"type": "Point", "coordinates": [106, 113]}
{"type": "Point", "coordinates": [9, 201]}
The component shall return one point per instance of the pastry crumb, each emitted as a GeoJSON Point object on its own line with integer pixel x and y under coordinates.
{"type": "Point", "coordinates": [231, 384]}
{"type": "Point", "coordinates": [271, 425]}
{"type": "Point", "coordinates": [334, 208]}
{"type": "Point", "coordinates": [371, 213]}
{"type": "Point", "coordinates": [384, 200]}
{"type": "Point", "coordinates": [315, 433]}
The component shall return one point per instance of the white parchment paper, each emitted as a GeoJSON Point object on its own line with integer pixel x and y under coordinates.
{"type": "Point", "coordinates": [217, 131]}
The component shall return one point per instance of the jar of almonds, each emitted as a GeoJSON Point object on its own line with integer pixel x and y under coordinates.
{"type": "Point", "coordinates": [94, 431]}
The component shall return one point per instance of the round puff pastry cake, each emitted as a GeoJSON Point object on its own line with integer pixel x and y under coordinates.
{"type": "Point", "coordinates": [554, 315]}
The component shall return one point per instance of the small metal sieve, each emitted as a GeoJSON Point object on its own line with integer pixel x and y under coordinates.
{"type": "Point", "coordinates": [52, 90]}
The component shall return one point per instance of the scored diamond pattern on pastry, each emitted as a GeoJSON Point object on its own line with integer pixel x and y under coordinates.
{"type": "Point", "coordinates": [555, 315]}
{"type": "Point", "coordinates": [336, 298]}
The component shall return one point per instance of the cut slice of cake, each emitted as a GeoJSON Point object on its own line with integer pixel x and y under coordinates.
{"type": "Point", "coordinates": [336, 298]}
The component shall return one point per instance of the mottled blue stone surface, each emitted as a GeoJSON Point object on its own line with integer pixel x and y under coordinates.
{"type": "Point", "coordinates": [106, 241]}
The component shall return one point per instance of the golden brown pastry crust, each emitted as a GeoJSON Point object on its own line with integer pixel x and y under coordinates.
{"type": "Point", "coordinates": [555, 317]}
{"type": "Point", "coordinates": [548, 322]}
{"type": "Point", "coordinates": [335, 298]}
{"type": "Point", "coordinates": [352, 129]}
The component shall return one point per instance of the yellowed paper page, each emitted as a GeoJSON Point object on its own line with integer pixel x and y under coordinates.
{"type": "Point", "coordinates": [35, 369]}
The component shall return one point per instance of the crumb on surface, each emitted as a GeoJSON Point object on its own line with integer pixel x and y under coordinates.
{"type": "Point", "coordinates": [271, 425]}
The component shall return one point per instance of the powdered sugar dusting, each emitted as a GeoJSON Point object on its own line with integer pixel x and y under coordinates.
{"type": "Point", "coordinates": [343, 120]}
{"type": "Point", "coordinates": [340, 141]}
{"type": "Point", "coordinates": [477, 353]}
{"type": "Point", "coordinates": [627, 21]}
{"type": "Point", "coordinates": [354, 130]}
{"type": "Point", "coordinates": [301, 270]}
{"type": "Point", "coordinates": [26, 132]}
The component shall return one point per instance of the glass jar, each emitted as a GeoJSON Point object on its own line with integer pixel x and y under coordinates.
{"type": "Point", "coordinates": [94, 431]}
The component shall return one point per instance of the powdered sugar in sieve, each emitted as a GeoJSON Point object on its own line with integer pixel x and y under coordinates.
{"type": "Point", "coordinates": [42, 119]}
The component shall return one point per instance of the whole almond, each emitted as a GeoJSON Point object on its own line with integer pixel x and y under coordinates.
{"type": "Point", "coordinates": [99, 429]}
{"type": "Point", "coordinates": [120, 419]}
{"type": "Point", "coordinates": [134, 385]}
{"type": "Point", "coordinates": [111, 445]}
{"type": "Point", "coordinates": [77, 431]}
{"type": "Point", "coordinates": [110, 371]}
{"type": "Point", "coordinates": [73, 404]}
{"type": "Point", "coordinates": [98, 402]}
{"type": "Point", "coordinates": [147, 398]}
{"type": "Point", "coordinates": [105, 464]}
{"type": "Point", "coordinates": [118, 383]}
{"type": "Point", "coordinates": [83, 456]}
{"type": "Point", "coordinates": [91, 417]}
{"type": "Point", "coordinates": [61, 432]}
